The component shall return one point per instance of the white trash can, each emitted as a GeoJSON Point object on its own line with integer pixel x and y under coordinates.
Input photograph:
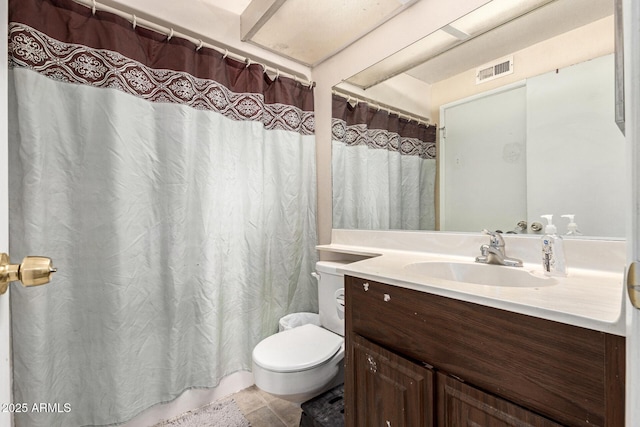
{"type": "Point", "coordinates": [294, 320]}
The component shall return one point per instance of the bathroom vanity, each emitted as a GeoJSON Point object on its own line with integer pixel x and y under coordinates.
{"type": "Point", "coordinates": [417, 359]}
{"type": "Point", "coordinates": [427, 350]}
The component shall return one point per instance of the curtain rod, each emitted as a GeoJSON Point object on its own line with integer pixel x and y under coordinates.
{"type": "Point", "coordinates": [381, 106]}
{"type": "Point", "coordinates": [199, 43]}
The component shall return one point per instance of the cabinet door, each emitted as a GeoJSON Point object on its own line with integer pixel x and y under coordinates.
{"type": "Point", "coordinates": [460, 405]}
{"type": "Point", "coordinates": [388, 390]}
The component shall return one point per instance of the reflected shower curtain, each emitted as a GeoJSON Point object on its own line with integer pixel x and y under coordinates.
{"type": "Point", "coordinates": [175, 191]}
{"type": "Point", "coordinates": [383, 169]}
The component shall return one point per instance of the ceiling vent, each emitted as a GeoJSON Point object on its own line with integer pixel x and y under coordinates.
{"type": "Point", "coordinates": [495, 69]}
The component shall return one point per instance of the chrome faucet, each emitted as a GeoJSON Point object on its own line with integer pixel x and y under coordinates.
{"type": "Point", "coordinates": [493, 253]}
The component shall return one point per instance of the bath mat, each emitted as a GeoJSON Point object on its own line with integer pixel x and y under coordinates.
{"type": "Point", "coordinates": [220, 414]}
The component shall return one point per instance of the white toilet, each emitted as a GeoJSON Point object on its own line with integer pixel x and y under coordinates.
{"type": "Point", "coordinates": [300, 363]}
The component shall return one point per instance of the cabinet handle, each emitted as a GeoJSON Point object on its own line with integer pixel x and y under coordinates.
{"type": "Point", "coordinates": [373, 366]}
{"type": "Point", "coordinates": [365, 286]}
{"type": "Point", "coordinates": [387, 298]}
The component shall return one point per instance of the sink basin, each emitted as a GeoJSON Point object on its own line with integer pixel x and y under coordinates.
{"type": "Point", "coordinates": [480, 274]}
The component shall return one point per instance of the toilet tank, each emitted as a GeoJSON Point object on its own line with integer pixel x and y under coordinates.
{"type": "Point", "coordinates": [331, 295]}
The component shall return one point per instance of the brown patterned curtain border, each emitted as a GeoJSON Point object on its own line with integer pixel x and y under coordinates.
{"type": "Point", "coordinates": [378, 129]}
{"type": "Point", "coordinates": [65, 40]}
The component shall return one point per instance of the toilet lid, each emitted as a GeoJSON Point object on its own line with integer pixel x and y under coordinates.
{"type": "Point", "coordinates": [297, 349]}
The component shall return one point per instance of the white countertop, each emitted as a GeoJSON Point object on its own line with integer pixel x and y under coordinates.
{"type": "Point", "coordinates": [586, 297]}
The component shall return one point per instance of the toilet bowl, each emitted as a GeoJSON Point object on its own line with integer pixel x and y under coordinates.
{"type": "Point", "coordinates": [300, 363]}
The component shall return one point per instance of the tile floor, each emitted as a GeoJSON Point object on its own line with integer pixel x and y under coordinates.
{"type": "Point", "coordinates": [264, 410]}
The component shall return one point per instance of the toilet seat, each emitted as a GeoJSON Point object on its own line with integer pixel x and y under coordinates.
{"type": "Point", "coordinates": [297, 349]}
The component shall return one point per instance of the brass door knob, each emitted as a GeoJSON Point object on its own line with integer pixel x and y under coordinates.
{"type": "Point", "coordinates": [33, 271]}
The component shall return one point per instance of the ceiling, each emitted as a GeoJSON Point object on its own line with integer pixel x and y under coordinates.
{"type": "Point", "coordinates": [234, 6]}
{"type": "Point", "coordinates": [311, 31]}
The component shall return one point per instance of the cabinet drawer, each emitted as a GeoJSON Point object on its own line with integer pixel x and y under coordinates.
{"type": "Point", "coordinates": [569, 374]}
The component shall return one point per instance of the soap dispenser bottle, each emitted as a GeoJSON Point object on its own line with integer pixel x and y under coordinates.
{"type": "Point", "coordinates": [552, 250]}
{"type": "Point", "coordinates": [572, 227]}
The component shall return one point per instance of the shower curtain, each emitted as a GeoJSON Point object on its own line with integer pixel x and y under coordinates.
{"type": "Point", "coordinates": [174, 189]}
{"type": "Point", "coordinates": [383, 169]}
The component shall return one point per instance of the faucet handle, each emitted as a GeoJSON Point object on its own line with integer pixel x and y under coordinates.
{"type": "Point", "coordinates": [496, 238]}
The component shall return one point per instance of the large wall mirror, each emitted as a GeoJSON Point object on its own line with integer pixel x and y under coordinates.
{"type": "Point", "coordinates": [497, 118]}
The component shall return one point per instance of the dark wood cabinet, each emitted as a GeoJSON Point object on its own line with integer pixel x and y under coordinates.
{"type": "Point", "coordinates": [520, 369]}
{"type": "Point", "coordinates": [460, 405]}
{"type": "Point", "coordinates": [390, 390]}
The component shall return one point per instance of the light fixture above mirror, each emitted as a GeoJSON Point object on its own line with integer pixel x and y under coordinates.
{"type": "Point", "coordinates": [505, 25]}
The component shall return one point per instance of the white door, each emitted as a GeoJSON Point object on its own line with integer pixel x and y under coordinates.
{"type": "Point", "coordinates": [5, 350]}
{"type": "Point", "coordinates": [631, 15]}
{"type": "Point", "coordinates": [484, 140]}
